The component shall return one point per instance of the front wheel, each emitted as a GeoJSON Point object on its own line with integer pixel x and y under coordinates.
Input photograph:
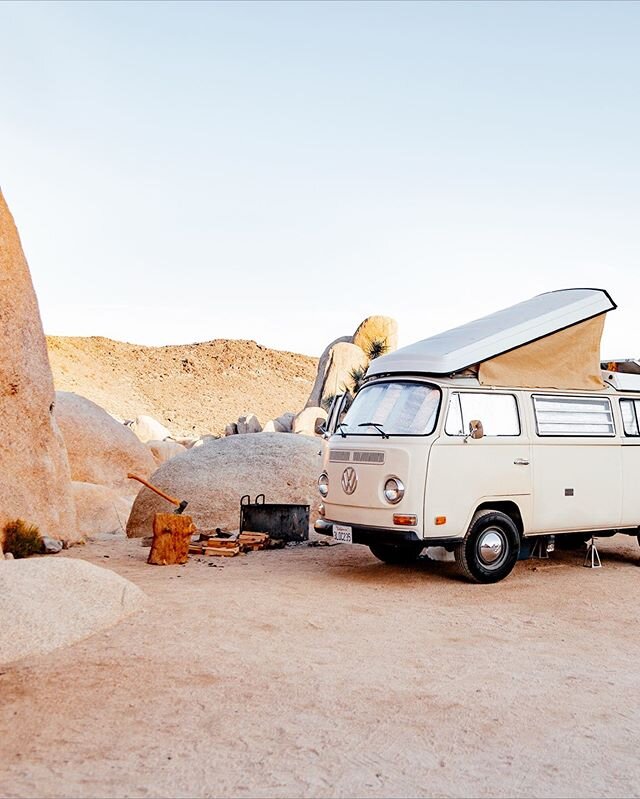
{"type": "Point", "coordinates": [397, 554]}
{"type": "Point", "coordinates": [489, 550]}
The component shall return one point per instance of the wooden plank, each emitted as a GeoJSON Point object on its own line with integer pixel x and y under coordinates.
{"type": "Point", "coordinates": [222, 552]}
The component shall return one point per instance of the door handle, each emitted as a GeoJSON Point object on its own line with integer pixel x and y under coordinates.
{"type": "Point", "coordinates": [521, 462]}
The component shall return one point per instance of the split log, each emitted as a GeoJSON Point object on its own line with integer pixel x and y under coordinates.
{"type": "Point", "coordinates": [171, 538]}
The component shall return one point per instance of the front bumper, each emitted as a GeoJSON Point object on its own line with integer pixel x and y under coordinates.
{"type": "Point", "coordinates": [378, 535]}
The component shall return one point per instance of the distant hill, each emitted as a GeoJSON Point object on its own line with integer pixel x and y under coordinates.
{"type": "Point", "coordinates": [193, 389]}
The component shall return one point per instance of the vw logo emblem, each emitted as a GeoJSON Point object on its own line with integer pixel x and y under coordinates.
{"type": "Point", "coordinates": [349, 481]}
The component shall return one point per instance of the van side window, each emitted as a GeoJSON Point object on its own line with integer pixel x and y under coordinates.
{"type": "Point", "coordinates": [630, 410]}
{"type": "Point", "coordinates": [497, 412]}
{"type": "Point", "coordinates": [573, 416]}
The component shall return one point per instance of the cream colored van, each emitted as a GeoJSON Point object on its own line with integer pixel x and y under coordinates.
{"type": "Point", "coordinates": [487, 438]}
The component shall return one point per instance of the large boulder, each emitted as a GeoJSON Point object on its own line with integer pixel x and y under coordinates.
{"type": "Point", "coordinates": [344, 359]}
{"type": "Point", "coordinates": [377, 335]}
{"type": "Point", "coordinates": [165, 450]}
{"type": "Point", "coordinates": [213, 478]}
{"type": "Point", "coordinates": [310, 421]}
{"type": "Point", "coordinates": [249, 424]}
{"type": "Point", "coordinates": [318, 390]}
{"type": "Point", "coordinates": [149, 429]}
{"type": "Point", "coordinates": [101, 450]}
{"type": "Point", "coordinates": [100, 510]}
{"type": "Point", "coordinates": [49, 602]}
{"type": "Point", "coordinates": [35, 480]}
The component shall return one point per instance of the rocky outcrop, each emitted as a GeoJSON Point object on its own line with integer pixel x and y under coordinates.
{"type": "Point", "coordinates": [377, 335]}
{"type": "Point", "coordinates": [147, 428]}
{"type": "Point", "coordinates": [249, 424]}
{"type": "Point", "coordinates": [165, 450]}
{"type": "Point", "coordinates": [35, 482]}
{"type": "Point", "coordinates": [214, 477]}
{"type": "Point", "coordinates": [309, 422]}
{"type": "Point", "coordinates": [344, 359]}
{"type": "Point", "coordinates": [283, 424]}
{"type": "Point", "coordinates": [101, 451]}
{"type": "Point", "coordinates": [318, 390]}
{"type": "Point", "coordinates": [101, 510]}
{"type": "Point", "coordinates": [49, 602]}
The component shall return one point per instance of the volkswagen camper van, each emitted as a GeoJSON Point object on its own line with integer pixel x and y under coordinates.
{"type": "Point", "coordinates": [487, 438]}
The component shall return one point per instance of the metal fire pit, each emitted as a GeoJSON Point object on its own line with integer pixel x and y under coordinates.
{"type": "Point", "coordinates": [282, 521]}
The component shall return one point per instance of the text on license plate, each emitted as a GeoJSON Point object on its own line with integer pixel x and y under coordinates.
{"type": "Point", "coordinates": [342, 532]}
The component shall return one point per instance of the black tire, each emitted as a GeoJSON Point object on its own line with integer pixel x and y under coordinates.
{"type": "Point", "coordinates": [489, 550]}
{"type": "Point", "coordinates": [400, 554]}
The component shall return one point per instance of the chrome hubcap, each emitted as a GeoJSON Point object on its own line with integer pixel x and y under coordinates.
{"type": "Point", "coordinates": [491, 547]}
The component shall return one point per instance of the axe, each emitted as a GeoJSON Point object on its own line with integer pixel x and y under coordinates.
{"type": "Point", "coordinates": [181, 504]}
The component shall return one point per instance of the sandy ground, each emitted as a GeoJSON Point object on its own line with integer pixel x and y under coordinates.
{"type": "Point", "coordinates": [321, 672]}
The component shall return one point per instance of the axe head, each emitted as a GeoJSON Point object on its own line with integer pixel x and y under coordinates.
{"type": "Point", "coordinates": [181, 506]}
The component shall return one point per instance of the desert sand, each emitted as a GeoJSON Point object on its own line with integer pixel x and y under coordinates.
{"type": "Point", "coordinates": [192, 389]}
{"type": "Point", "coordinates": [322, 672]}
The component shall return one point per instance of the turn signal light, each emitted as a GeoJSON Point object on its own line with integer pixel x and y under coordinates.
{"type": "Point", "coordinates": [441, 520]}
{"type": "Point", "coordinates": [405, 519]}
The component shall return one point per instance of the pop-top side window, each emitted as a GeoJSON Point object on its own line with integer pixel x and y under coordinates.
{"type": "Point", "coordinates": [573, 416]}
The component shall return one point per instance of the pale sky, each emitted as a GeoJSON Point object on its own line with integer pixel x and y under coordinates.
{"type": "Point", "coordinates": [278, 171]}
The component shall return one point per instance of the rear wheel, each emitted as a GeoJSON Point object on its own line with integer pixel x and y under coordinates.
{"type": "Point", "coordinates": [397, 554]}
{"type": "Point", "coordinates": [489, 550]}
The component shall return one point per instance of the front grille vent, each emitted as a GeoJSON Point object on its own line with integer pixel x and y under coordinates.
{"type": "Point", "coordinates": [368, 457]}
{"type": "Point", "coordinates": [339, 455]}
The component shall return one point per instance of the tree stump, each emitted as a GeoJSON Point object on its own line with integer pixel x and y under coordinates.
{"type": "Point", "coordinates": [171, 538]}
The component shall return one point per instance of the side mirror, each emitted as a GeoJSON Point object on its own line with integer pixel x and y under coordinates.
{"type": "Point", "coordinates": [476, 430]}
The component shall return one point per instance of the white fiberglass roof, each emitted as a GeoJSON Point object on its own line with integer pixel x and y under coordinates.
{"type": "Point", "coordinates": [499, 332]}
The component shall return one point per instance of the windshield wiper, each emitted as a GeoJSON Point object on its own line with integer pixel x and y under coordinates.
{"type": "Point", "coordinates": [377, 426]}
{"type": "Point", "coordinates": [339, 427]}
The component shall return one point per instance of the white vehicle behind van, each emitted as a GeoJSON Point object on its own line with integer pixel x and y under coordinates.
{"type": "Point", "coordinates": [487, 438]}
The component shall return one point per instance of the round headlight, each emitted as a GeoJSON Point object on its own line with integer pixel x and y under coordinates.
{"type": "Point", "coordinates": [323, 484]}
{"type": "Point", "coordinates": [393, 490]}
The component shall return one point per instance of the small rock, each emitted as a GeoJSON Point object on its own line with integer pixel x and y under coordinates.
{"type": "Point", "coordinates": [51, 545]}
{"type": "Point", "coordinates": [8, 556]}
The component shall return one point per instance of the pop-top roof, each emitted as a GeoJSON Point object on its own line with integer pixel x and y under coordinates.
{"type": "Point", "coordinates": [470, 344]}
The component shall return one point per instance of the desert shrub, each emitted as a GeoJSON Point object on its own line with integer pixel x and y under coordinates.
{"type": "Point", "coordinates": [21, 539]}
{"type": "Point", "coordinates": [357, 376]}
{"type": "Point", "coordinates": [326, 401]}
{"type": "Point", "coordinates": [377, 347]}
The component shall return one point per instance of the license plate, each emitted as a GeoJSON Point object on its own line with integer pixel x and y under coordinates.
{"type": "Point", "coordinates": [343, 533]}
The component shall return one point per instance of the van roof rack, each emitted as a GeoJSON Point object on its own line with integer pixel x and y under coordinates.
{"type": "Point", "coordinates": [622, 373]}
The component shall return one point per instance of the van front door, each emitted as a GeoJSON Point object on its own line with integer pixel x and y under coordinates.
{"type": "Point", "coordinates": [464, 472]}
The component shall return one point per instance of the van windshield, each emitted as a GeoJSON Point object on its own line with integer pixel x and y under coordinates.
{"type": "Point", "coordinates": [398, 408]}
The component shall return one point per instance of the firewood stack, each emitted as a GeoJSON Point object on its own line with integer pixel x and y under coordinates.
{"type": "Point", "coordinates": [229, 546]}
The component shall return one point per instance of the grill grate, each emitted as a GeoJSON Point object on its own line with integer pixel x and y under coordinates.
{"type": "Point", "coordinates": [368, 457]}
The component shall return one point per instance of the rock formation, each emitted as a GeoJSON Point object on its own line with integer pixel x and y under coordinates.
{"type": "Point", "coordinates": [149, 429]}
{"type": "Point", "coordinates": [165, 450]}
{"type": "Point", "coordinates": [309, 421]}
{"type": "Point", "coordinates": [214, 477]}
{"type": "Point", "coordinates": [377, 335]}
{"type": "Point", "coordinates": [101, 451]}
{"type": "Point", "coordinates": [101, 510]}
{"type": "Point", "coordinates": [49, 602]}
{"type": "Point", "coordinates": [318, 390]}
{"type": "Point", "coordinates": [35, 482]}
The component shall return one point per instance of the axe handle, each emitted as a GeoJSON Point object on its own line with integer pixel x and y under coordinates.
{"type": "Point", "coordinates": [173, 500]}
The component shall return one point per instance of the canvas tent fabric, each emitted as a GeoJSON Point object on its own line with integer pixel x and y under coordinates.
{"type": "Point", "coordinates": [486, 338]}
{"type": "Point", "coordinates": [568, 359]}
